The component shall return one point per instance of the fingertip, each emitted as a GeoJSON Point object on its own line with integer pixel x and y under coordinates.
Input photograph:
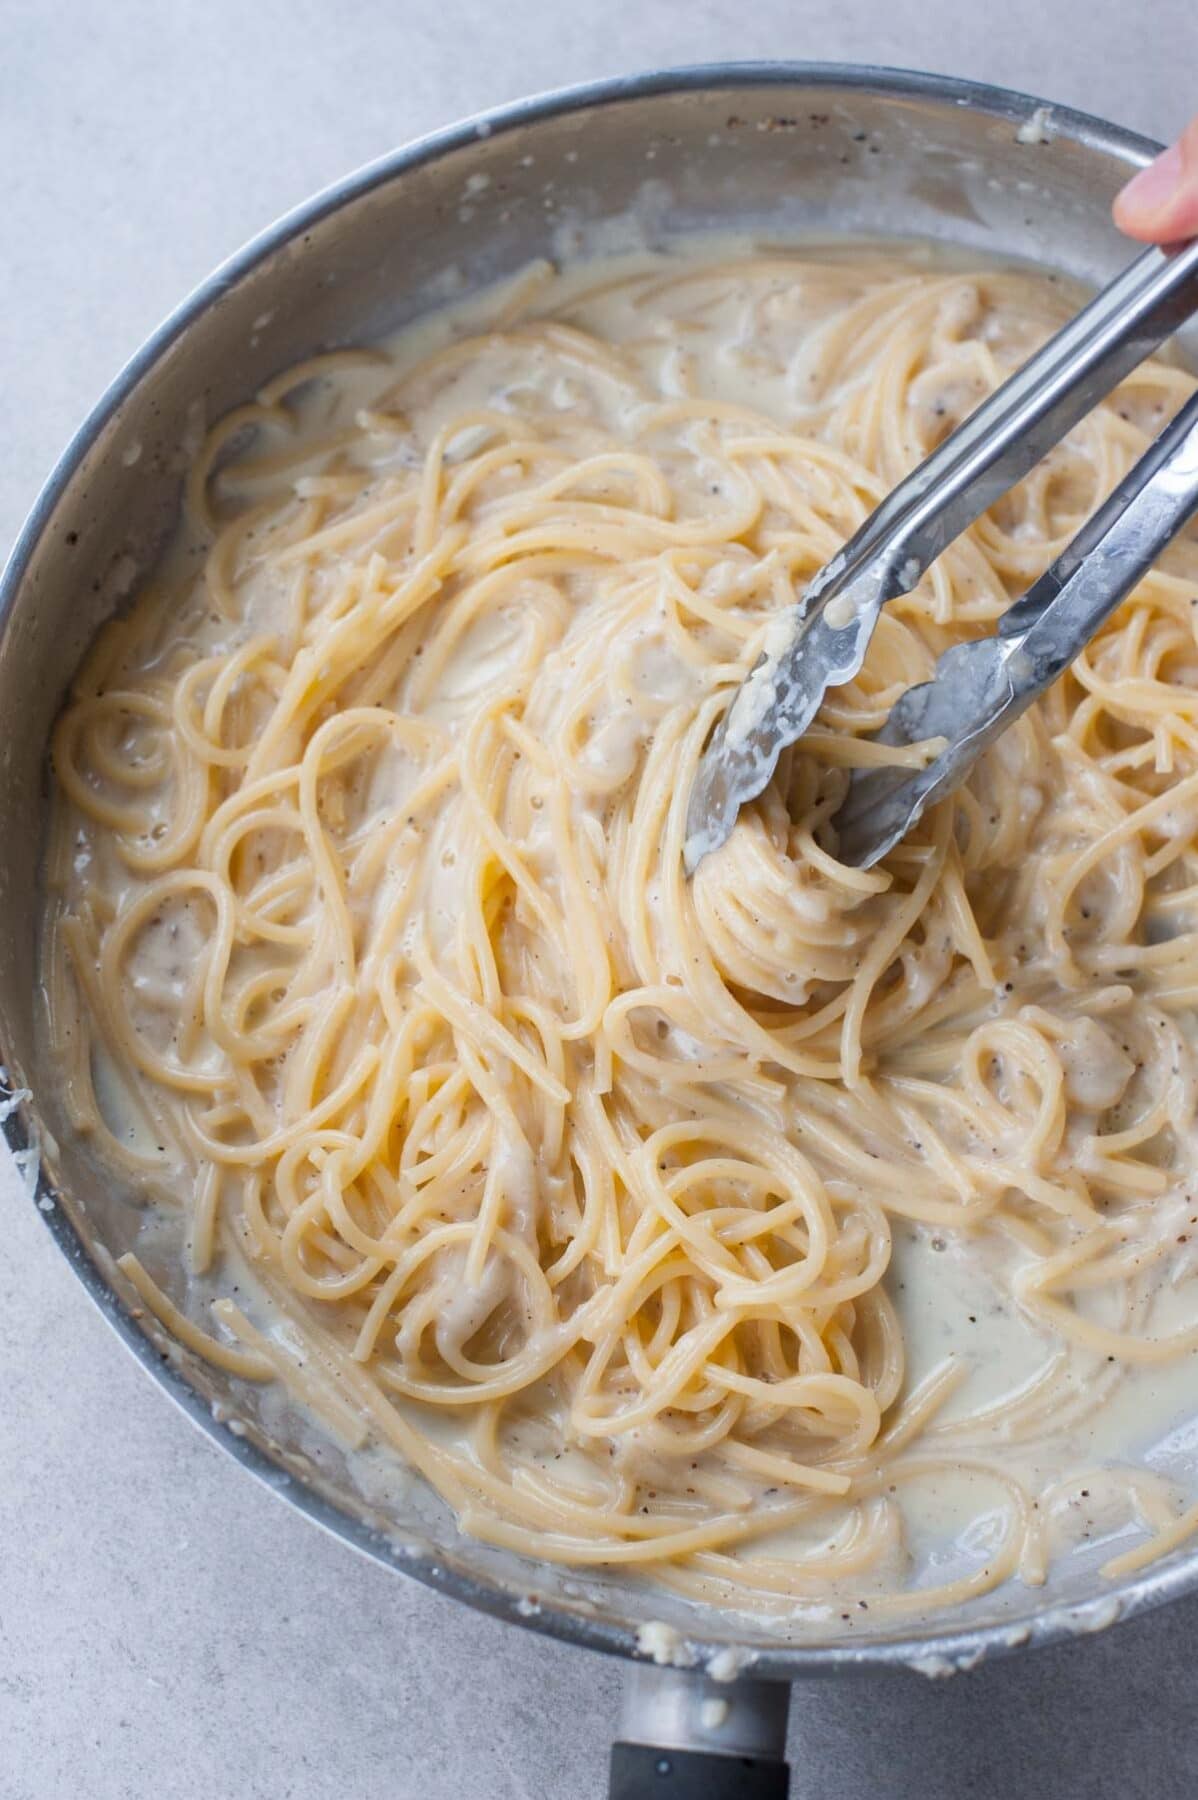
{"type": "Point", "coordinates": [1160, 204]}
{"type": "Point", "coordinates": [1149, 196]}
{"type": "Point", "coordinates": [1131, 223]}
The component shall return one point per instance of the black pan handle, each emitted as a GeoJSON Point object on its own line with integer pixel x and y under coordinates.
{"type": "Point", "coordinates": [687, 1737]}
{"type": "Point", "coordinates": [645, 1772]}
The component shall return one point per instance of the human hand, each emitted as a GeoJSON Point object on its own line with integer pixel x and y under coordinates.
{"type": "Point", "coordinates": [1160, 204]}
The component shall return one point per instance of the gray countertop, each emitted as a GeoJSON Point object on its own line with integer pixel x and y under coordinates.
{"type": "Point", "coordinates": [166, 1627]}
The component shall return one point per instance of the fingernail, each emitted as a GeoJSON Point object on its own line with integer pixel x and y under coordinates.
{"type": "Point", "coordinates": [1152, 189]}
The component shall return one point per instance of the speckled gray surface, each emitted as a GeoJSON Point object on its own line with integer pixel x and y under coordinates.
{"type": "Point", "coordinates": [167, 1628]}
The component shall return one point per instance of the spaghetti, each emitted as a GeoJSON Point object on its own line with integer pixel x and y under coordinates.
{"type": "Point", "coordinates": [369, 938]}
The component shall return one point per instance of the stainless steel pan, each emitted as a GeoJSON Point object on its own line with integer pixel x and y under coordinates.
{"type": "Point", "coordinates": [780, 149]}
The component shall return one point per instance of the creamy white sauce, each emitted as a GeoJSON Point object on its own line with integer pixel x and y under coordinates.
{"type": "Point", "coordinates": [954, 1293]}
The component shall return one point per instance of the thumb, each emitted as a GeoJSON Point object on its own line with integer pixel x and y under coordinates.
{"type": "Point", "coordinates": [1160, 204]}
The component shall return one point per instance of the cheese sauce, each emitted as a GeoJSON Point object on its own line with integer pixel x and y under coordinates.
{"type": "Point", "coordinates": [797, 1236]}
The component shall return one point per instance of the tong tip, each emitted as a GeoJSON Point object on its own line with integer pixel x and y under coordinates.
{"type": "Point", "coordinates": [812, 647]}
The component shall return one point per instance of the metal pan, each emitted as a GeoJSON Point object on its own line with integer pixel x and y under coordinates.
{"type": "Point", "coordinates": [779, 149]}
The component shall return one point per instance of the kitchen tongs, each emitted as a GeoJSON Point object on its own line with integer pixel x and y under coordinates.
{"type": "Point", "coordinates": [981, 687]}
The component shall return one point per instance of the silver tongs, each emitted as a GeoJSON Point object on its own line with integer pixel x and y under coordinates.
{"type": "Point", "coordinates": [981, 687]}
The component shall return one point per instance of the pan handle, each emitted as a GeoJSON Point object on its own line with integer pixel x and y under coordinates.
{"type": "Point", "coordinates": [686, 1737]}
{"type": "Point", "coordinates": [640, 1772]}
